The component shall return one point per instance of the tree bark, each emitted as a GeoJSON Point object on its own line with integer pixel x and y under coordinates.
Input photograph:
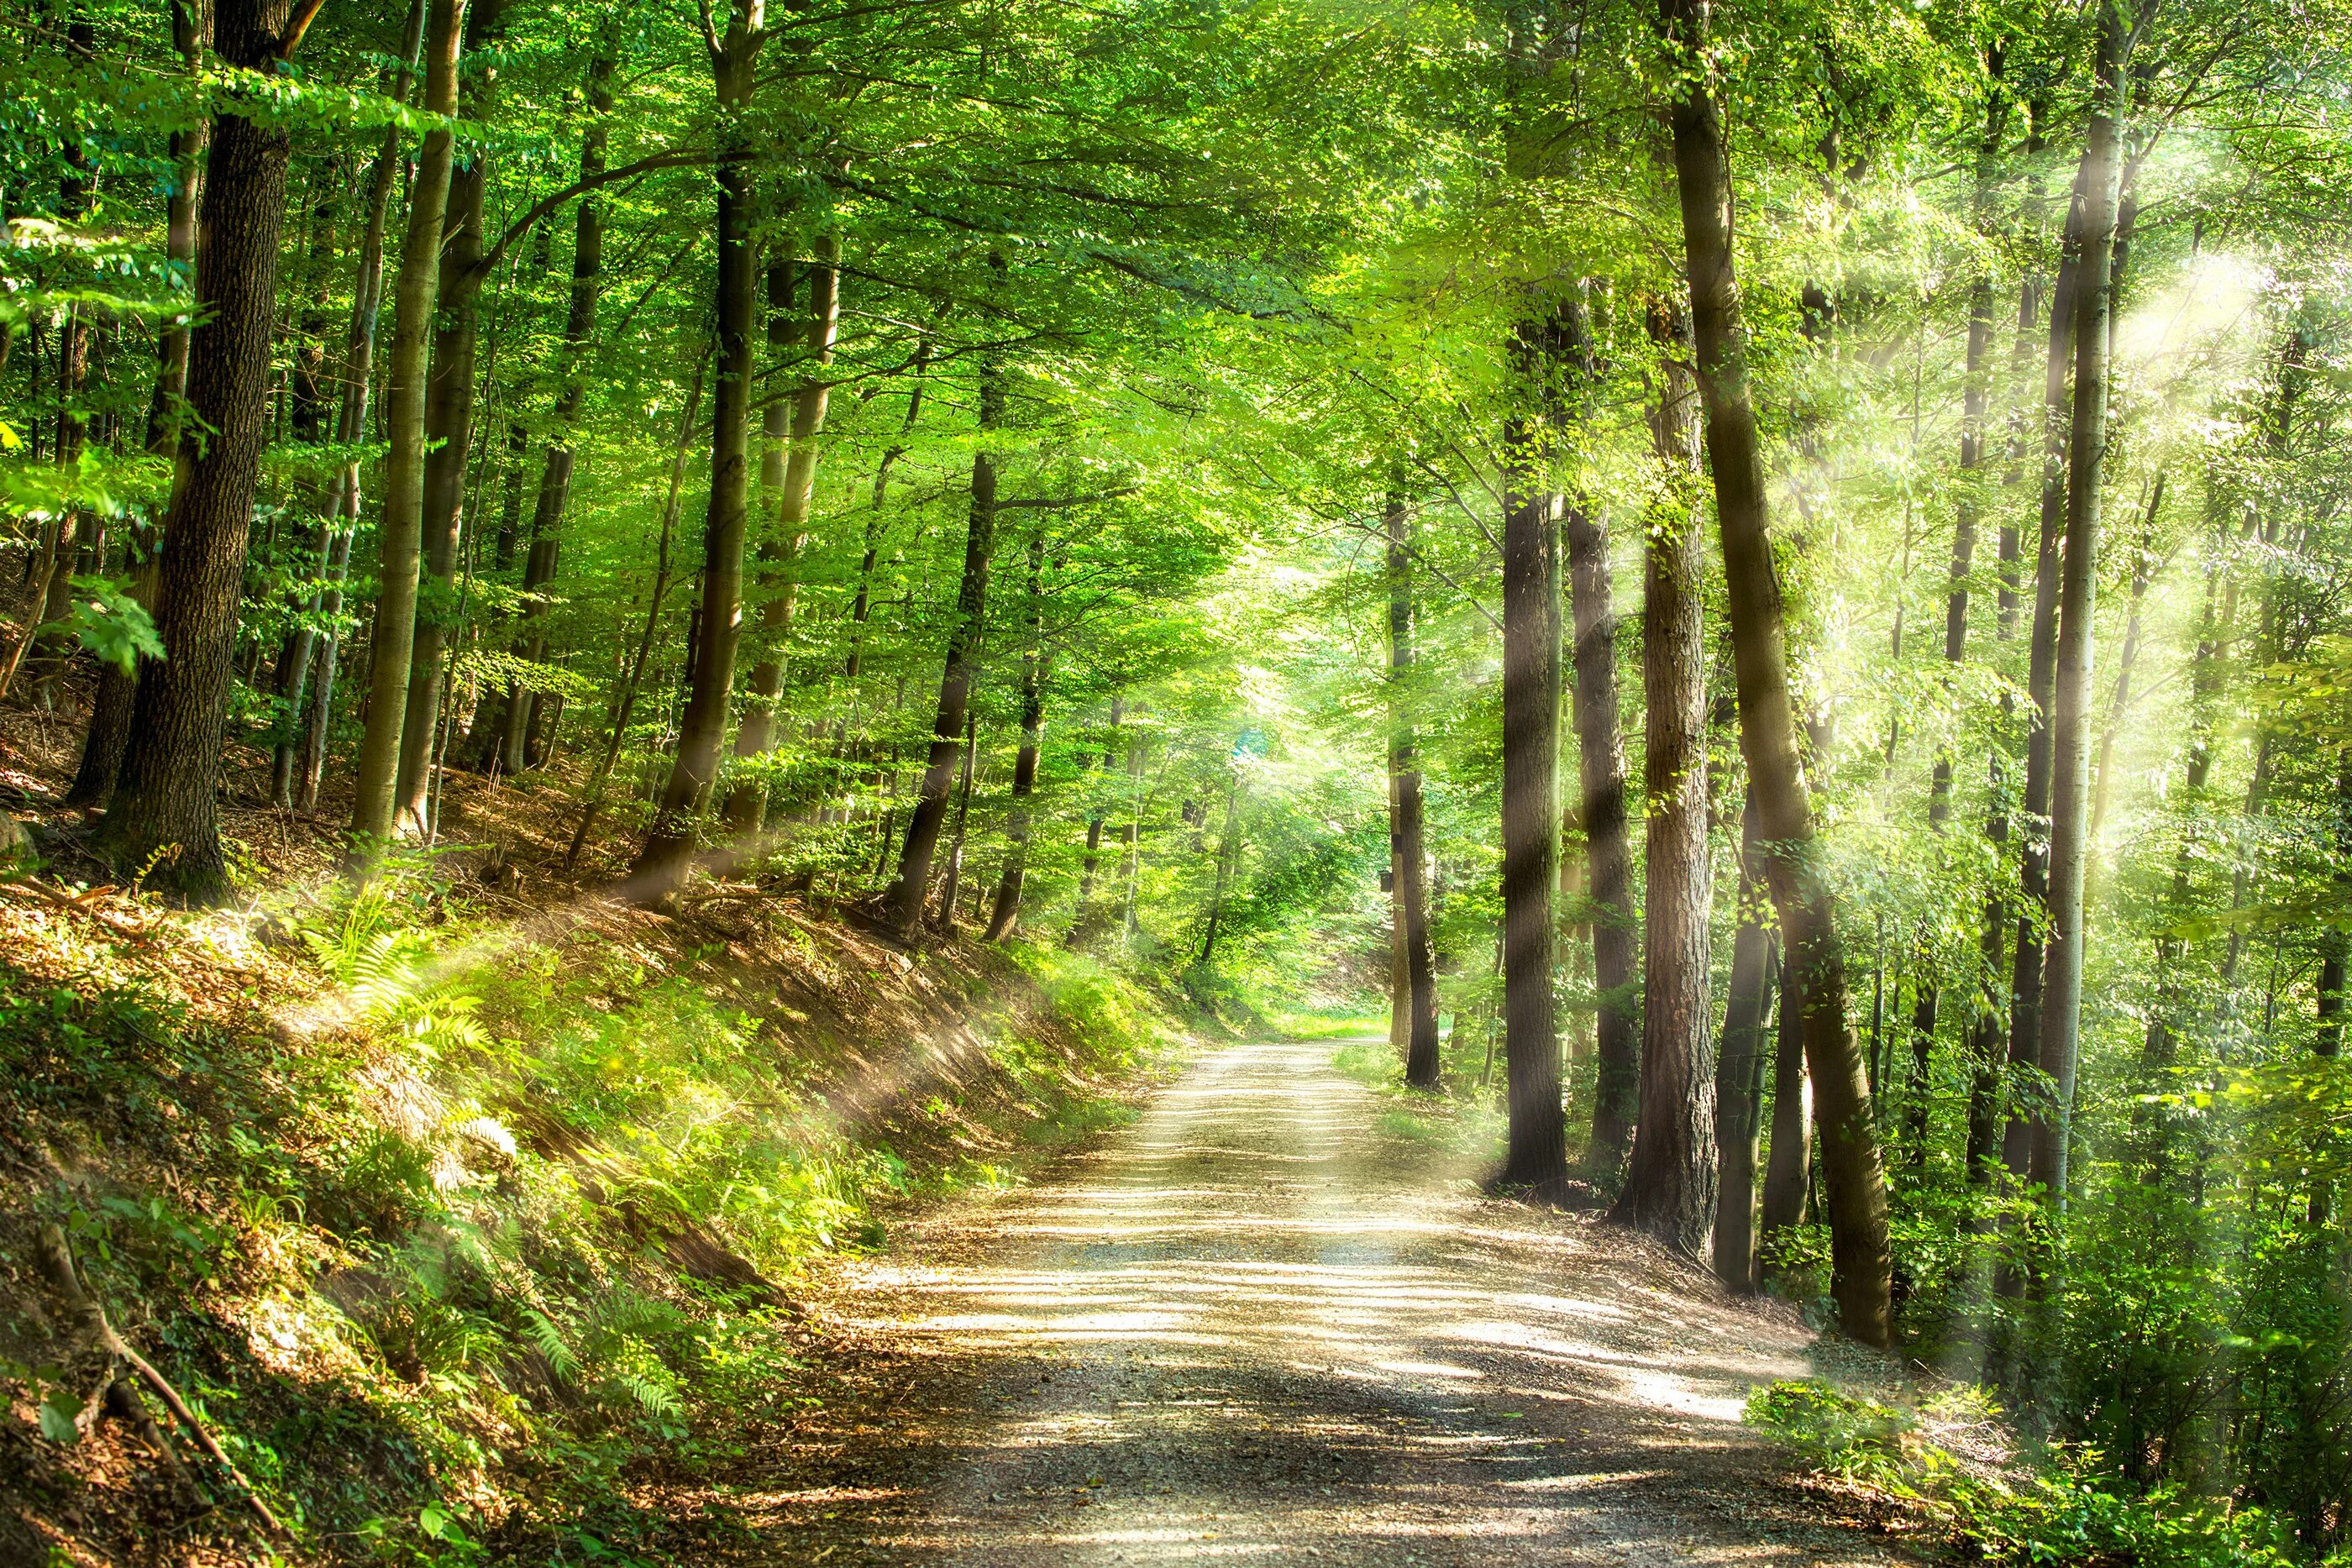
{"type": "Point", "coordinates": [544, 553]}
{"type": "Point", "coordinates": [1670, 1181]}
{"type": "Point", "coordinates": [1416, 997]}
{"type": "Point", "coordinates": [1601, 765]}
{"type": "Point", "coordinates": [1788, 1166]}
{"type": "Point", "coordinates": [109, 731]}
{"type": "Point", "coordinates": [1034, 664]}
{"type": "Point", "coordinates": [2033, 864]}
{"type": "Point", "coordinates": [903, 904]}
{"type": "Point", "coordinates": [1853, 1178]}
{"type": "Point", "coordinates": [780, 553]}
{"type": "Point", "coordinates": [164, 803]}
{"type": "Point", "coordinates": [2062, 994]}
{"type": "Point", "coordinates": [1536, 1156]}
{"type": "Point", "coordinates": [449, 422]}
{"type": "Point", "coordinates": [1739, 1071]}
{"type": "Point", "coordinates": [373, 819]}
{"type": "Point", "coordinates": [662, 865]}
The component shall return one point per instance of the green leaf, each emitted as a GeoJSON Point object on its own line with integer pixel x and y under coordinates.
{"type": "Point", "coordinates": [58, 1420]}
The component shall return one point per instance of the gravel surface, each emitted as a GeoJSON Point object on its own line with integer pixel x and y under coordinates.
{"type": "Point", "coordinates": [1265, 1323]}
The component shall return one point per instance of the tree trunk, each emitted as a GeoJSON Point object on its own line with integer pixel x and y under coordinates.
{"type": "Point", "coordinates": [163, 817]}
{"type": "Point", "coordinates": [1416, 997]}
{"type": "Point", "coordinates": [746, 803]}
{"type": "Point", "coordinates": [449, 422]}
{"type": "Point", "coordinates": [373, 819]}
{"type": "Point", "coordinates": [1789, 1162]}
{"type": "Point", "coordinates": [2033, 866]}
{"type": "Point", "coordinates": [1853, 1178]}
{"type": "Point", "coordinates": [545, 551]}
{"type": "Point", "coordinates": [1096, 819]}
{"type": "Point", "coordinates": [1228, 850]}
{"type": "Point", "coordinates": [110, 713]}
{"type": "Point", "coordinates": [662, 865]}
{"type": "Point", "coordinates": [1035, 665]}
{"type": "Point", "coordinates": [1670, 1181]}
{"type": "Point", "coordinates": [1536, 1157]}
{"type": "Point", "coordinates": [1601, 765]}
{"type": "Point", "coordinates": [2062, 994]}
{"type": "Point", "coordinates": [954, 879]}
{"type": "Point", "coordinates": [903, 904]}
{"type": "Point", "coordinates": [1739, 1071]}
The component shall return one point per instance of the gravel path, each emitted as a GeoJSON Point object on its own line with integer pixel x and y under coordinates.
{"type": "Point", "coordinates": [1265, 1323]}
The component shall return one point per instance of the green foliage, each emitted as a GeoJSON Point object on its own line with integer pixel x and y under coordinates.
{"type": "Point", "coordinates": [2059, 1510]}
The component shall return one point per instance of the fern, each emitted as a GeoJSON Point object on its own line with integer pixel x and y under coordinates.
{"type": "Point", "coordinates": [553, 1349]}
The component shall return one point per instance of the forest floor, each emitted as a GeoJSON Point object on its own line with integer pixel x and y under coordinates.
{"type": "Point", "coordinates": [1274, 1321]}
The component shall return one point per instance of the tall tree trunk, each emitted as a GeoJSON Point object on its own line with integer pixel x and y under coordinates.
{"type": "Point", "coordinates": [1670, 1181]}
{"type": "Point", "coordinates": [1536, 1156]}
{"type": "Point", "coordinates": [2042, 673]}
{"type": "Point", "coordinates": [352, 419]}
{"type": "Point", "coordinates": [1416, 999]}
{"type": "Point", "coordinates": [780, 553]}
{"type": "Point", "coordinates": [163, 803]}
{"type": "Point", "coordinates": [373, 819]}
{"type": "Point", "coordinates": [662, 865]}
{"type": "Point", "coordinates": [110, 713]}
{"type": "Point", "coordinates": [544, 552]}
{"type": "Point", "coordinates": [292, 676]}
{"type": "Point", "coordinates": [1853, 1178]}
{"type": "Point", "coordinates": [1601, 765]}
{"type": "Point", "coordinates": [903, 904]}
{"type": "Point", "coordinates": [2144, 566]}
{"type": "Point", "coordinates": [449, 431]}
{"type": "Point", "coordinates": [1975, 398]}
{"type": "Point", "coordinates": [1739, 1071]}
{"type": "Point", "coordinates": [2062, 994]}
{"type": "Point", "coordinates": [1036, 661]}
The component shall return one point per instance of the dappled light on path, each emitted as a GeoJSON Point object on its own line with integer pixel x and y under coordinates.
{"type": "Point", "coordinates": [1257, 1327]}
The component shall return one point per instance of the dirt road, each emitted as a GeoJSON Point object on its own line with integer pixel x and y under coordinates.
{"type": "Point", "coordinates": [1267, 1323]}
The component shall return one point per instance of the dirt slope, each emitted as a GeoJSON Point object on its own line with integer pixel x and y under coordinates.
{"type": "Point", "coordinates": [1262, 1324]}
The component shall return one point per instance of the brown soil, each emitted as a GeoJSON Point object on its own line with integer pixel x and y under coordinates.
{"type": "Point", "coordinates": [1263, 1324]}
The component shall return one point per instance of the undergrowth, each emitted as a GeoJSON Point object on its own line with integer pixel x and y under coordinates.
{"type": "Point", "coordinates": [452, 1224]}
{"type": "Point", "coordinates": [2055, 1507]}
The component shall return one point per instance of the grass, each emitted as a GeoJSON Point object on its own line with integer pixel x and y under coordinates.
{"type": "Point", "coordinates": [449, 1225]}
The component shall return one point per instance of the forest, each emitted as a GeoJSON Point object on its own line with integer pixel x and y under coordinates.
{"type": "Point", "coordinates": [1766, 584]}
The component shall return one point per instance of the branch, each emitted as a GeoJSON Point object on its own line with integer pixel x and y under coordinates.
{"type": "Point", "coordinates": [303, 17]}
{"type": "Point", "coordinates": [1043, 505]}
{"type": "Point", "coordinates": [93, 1316]}
{"type": "Point", "coordinates": [523, 224]}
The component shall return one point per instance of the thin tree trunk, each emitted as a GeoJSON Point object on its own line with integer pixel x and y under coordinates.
{"type": "Point", "coordinates": [1600, 763]}
{"type": "Point", "coordinates": [971, 748]}
{"type": "Point", "coordinates": [1536, 1156]}
{"type": "Point", "coordinates": [2119, 701]}
{"type": "Point", "coordinates": [1739, 1070]}
{"type": "Point", "coordinates": [2062, 995]}
{"type": "Point", "coordinates": [903, 904]}
{"type": "Point", "coordinates": [545, 551]}
{"type": "Point", "coordinates": [1416, 997]}
{"type": "Point", "coordinates": [2033, 870]}
{"type": "Point", "coordinates": [1096, 819]}
{"type": "Point", "coordinates": [662, 865]}
{"type": "Point", "coordinates": [400, 534]}
{"type": "Point", "coordinates": [163, 817]}
{"type": "Point", "coordinates": [1853, 1178]}
{"type": "Point", "coordinates": [1789, 1164]}
{"type": "Point", "coordinates": [780, 554]}
{"type": "Point", "coordinates": [656, 595]}
{"type": "Point", "coordinates": [449, 395]}
{"type": "Point", "coordinates": [1229, 847]}
{"type": "Point", "coordinates": [1035, 665]}
{"type": "Point", "coordinates": [1670, 1181]}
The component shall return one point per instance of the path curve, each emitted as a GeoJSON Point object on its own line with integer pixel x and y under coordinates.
{"type": "Point", "coordinates": [1265, 1323]}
